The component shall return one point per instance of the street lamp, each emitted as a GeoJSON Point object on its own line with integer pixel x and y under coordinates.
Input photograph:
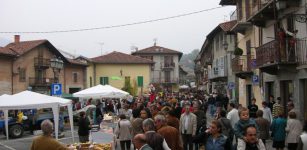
{"type": "Point", "coordinates": [56, 65]}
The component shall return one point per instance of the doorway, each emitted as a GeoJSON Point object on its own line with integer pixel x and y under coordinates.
{"type": "Point", "coordinates": [303, 95]}
{"type": "Point", "coordinates": [249, 94]}
{"type": "Point", "coordinates": [269, 89]}
{"type": "Point", "coordinates": [286, 93]}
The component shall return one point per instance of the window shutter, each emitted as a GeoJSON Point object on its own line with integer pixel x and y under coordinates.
{"type": "Point", "coordinates": [140, 81]}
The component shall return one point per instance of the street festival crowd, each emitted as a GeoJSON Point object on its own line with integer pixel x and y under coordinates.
{"type": "Point", "coordinates": [195, 120]}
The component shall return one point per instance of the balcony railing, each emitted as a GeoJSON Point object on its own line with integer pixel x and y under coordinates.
{"type": "Point", "coordinates": [285, 51]}
{"type": "Point", "coordinates": [41, 62]}
{"type": "Point", "coordinates": [242, 63]}
{"type": "Point", "coordinates": [169, 65]}
{"type": "Point", "coordinates": [33, 81]}
{"type": "Point", "coordinates": [165, 80]}
{"type": "Point", "coordinates": [301, 51]}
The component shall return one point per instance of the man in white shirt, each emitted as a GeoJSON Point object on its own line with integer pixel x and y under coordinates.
{"type": "Point", "coordinates": [267, 112]}
{"type": "Point", "coordinates": [233, 115]}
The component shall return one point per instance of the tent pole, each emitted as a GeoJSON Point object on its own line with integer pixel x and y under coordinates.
{"type": "Point", "coordinates": [71, 122]}
{"type": "Point", "coordinates": [6, 114]}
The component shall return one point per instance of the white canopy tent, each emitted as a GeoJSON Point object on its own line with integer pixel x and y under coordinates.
{"type": "Point", "coordinates": [32, 100]}
{"type": "Point", "coordinates": [183, 87]}
{"type": "Point", "coordinates": [101, 91]}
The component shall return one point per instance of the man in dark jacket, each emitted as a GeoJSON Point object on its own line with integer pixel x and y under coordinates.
{"type": "Point", "coordinates": [84, 127]}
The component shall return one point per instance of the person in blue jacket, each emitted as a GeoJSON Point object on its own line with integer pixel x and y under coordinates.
{"type": "Point", "coordinates": [216, 140]}
{"type": "Point", "coordinates": [278, 129]}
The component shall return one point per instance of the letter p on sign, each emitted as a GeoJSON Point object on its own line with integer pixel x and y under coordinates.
{"type": "Point", "coordinates": [56, 89]}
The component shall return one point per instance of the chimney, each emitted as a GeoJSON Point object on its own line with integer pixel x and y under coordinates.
{"type": "Point", "coordinates": [17, 38]}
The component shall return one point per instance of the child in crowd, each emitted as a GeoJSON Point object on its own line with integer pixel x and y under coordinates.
{"type": "Point", "coordinates": [243, 122]}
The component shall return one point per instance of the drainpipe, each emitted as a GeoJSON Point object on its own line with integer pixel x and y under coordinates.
{"type": "Point", "coordinates": [12, 77]}
{"type": "Point", "coordinates": [94, 71]}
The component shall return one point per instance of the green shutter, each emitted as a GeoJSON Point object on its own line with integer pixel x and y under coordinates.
{"type": "Point", "coordinates": [101, 80]}
{"type": "Point", "coordinates": [140, 81]}
{"type": "Point", "coordinates": [106, 80]}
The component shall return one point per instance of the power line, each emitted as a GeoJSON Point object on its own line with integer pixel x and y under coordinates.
{"type": "Point", "coordinates": [112, 26]}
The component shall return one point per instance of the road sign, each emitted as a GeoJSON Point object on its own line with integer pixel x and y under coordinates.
{"type": "Point", "coordinates": [255, 79]}
{"type": "Point", "coordinates": [56, 89]}
{"type": "Point", "coordinates": [231, 85]}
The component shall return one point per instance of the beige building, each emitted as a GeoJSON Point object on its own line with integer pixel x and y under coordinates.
{"type": "Point", "coordinates": [165, 72]}
{"type": "Point", "coordinates": [243, 66]}
{"type": "Point", "coordinates": [118, 69]}
{"type": "Point", "coordinates": [26, 66]}
{"type": "Point", "coordinates": [277, 34]}
{"type": "Point", "coordinates": [213, 64]}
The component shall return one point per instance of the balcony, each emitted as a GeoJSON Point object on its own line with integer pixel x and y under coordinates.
{"type": "Point", "coordinates": [242, 67]}
{"type": "Point", "coordinates": [241, 24]}
{"type": "Point", "coordinates": [301, 52]}
{"type": "Point", "coordinates": [168, 66]}
{"type": "Point", "coordinates": [277, 55]}
{"type": "Point", "coordinates": [216, 74]}
{"type": "Point", "coordinates": [41, 63]}
{"type": "Point", "coordinates": [165, 80]}
{"type": "Point", "coordinates": [228, 2]}
{"type": "Point", "coordinates": [264, 10]}
{"type": "Point", "coordinates": [33, 81]}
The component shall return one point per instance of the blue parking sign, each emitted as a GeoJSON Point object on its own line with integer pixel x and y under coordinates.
{"type": "Point", "coordinates": [56, 89]}
{"type": "Point", "coordinates": [231, 85]}
{"type": "Point", "coordinates": [255, 79]}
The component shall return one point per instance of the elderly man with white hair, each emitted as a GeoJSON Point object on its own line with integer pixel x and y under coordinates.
{"type": "Point", "coordinates": [46, 141]}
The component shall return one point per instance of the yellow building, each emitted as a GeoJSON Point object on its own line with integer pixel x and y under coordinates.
{"type": "Point", "coordinates": [119, 69]}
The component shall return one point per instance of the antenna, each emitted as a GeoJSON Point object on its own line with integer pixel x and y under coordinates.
{"type": "Point", "coordinates": [101, 45]}
{"type": "Point", "coordinates": [155, 41]}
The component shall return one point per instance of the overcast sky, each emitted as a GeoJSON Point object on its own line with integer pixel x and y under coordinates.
{"type": "Point", "coordinates": [183, 34]}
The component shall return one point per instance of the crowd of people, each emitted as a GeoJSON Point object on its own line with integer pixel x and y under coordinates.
{"type": "Point", "coordinates": [193, 120]}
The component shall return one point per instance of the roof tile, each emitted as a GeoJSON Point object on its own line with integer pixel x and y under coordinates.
{"type": "Point", "coordinates": [121, 58]}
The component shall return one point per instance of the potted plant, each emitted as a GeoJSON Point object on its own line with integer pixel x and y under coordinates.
{"type": "Point", "coordinates": [238, 51]}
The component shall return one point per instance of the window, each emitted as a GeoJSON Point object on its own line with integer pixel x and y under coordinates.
{"type": "Point", "coordinates": [167, 76]}
{"type": "Point", "coordinates": [75, 76]}
{"type": "Point", "coordinates": [91, 82]}
{"type": "Point", "coordinates": [148, 57]}
{"type": "Point", "coordinates": [104, 80]}
{"type": "Point", "coordinates": [140, 81]}
{"type": "Point", "coordinates": [22, 75]}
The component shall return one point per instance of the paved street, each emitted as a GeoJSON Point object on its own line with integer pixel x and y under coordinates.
{"type": "Point", "coordinates": [25, 142]}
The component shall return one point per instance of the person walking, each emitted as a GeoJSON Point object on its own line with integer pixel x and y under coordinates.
{"type": "Point", "coordinates": [216, 140]}
{"type": "Point", "coordinates": [45, 141]}
{"type": "Point", "coordinates": [139, 142]}
{"type": "Point", "coordinates": [84, 127]}
{"type": "Point", "coordinates": [187, 127]}
{"type": "Point", "coordinates": [294, 129]}
{"type": "Point", "coordinates": [302, 141]}
{"type": "Point", "coordinates": [227, 129]}
{"type": "Point", "coordinates": [263, 127]}
{"type": "Point", "coordinates": [169, 133]}
{"type": "Point", "coordinates": [267, 112]}
{"type": "Point", "coordinates": [271, 102]}
{"type": "Point", "coordinates": [278, 131]}
{"type": "Point", "coordinates": [277, 108]}
{"type": "Point", "coordinates": [253, 109]}
{"type": "Point", "coordinates": [153, 139]}
{"type": "Point", "coordinates": [251, 142]}
{"type": "Point", "coordinates": [233, 114]}
{"type": "Point", "coordinates": [123, 132]}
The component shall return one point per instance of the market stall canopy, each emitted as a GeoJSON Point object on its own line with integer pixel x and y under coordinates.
{"type": "Point", "coordinates": [33, 100]}
{"type": "Point", "coordinates": [101, 91]}
{"type": "Point", "coordinates": [183, 87]}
